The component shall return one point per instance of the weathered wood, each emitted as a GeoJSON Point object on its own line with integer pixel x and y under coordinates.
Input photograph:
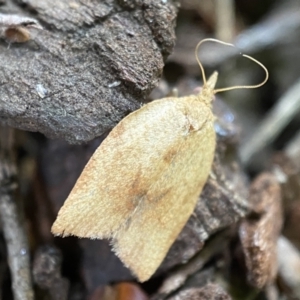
{"type": "Point", "coordinates": [93, 63]}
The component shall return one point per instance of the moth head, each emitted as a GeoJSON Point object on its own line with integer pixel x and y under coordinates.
{"type": "Point", "coordinates": [212, 81]}
{"type": "Point", "coordinates": [207, 92]}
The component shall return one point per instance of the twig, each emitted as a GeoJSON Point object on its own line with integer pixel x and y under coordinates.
{"type": "Point", "coordinates": [276, 120]}
{"type": "Point", "coordinates": [178, 278]}
{"type": "Point", "coordinates": [225, 20]}
{"type": "Point", "coordinates": [276, 29]}
{"type": "Point", "coordinates": [13, 228]}
{"type": "Point", "coordinates": [292, 149]}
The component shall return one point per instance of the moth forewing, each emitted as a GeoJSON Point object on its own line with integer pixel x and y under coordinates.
{"type": "Point", "coordinates": [171, 200]}
{"type": "Point", "coordinates": [141, 185]}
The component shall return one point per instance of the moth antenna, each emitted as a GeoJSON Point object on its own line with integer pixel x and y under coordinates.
{"type": "Point", "coordinates": [247, 86]}
{"type": "Point", "coordinates": [244, 55]}
{"type": "Point", "coordinates": [197, 57]}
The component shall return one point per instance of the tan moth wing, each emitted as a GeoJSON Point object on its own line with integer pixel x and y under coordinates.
{"type": "Point", "coordinates": [142, 183]}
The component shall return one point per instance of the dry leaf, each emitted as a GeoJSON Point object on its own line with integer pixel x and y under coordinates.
{"type": "Point", "coordinates": [288, 173]}
{"type": "Point", "coordinates": [259, 232]}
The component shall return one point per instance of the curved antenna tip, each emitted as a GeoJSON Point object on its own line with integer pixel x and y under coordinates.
{"type": "Point", "coordinates": [244, 55]}
{"type": "Point", "coordinates": [247, 86]}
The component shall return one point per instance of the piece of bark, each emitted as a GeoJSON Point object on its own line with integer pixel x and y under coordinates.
{"type": "Point", "coordinates": [47, 274]}
{"type": "Point", "coordinates": [91, 65]}
{"type": "Point", "coordinates": [260, 230]}
{"type": "Point", "coordinates": [209, 292]}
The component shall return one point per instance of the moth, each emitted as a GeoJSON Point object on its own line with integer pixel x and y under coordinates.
{"type": "Point", "coordinates": [141, 185]}
{"type": "Point", "coordinates": [16, 29]}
